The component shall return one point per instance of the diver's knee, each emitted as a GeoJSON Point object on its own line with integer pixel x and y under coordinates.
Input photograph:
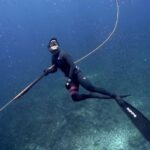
{"type": "Point", "coordinates": [91, 88]}
{"type": "Point", "coordinates": [75, 97]}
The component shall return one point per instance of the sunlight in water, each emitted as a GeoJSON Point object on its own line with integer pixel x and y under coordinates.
{"type": "Point", "coordinates": [114, 140]}
{"type": "Point", "coordinates": [118, 140]}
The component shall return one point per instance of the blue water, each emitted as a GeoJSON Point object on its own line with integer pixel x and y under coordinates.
{"type": "Point", "coordinates": [46, 118]}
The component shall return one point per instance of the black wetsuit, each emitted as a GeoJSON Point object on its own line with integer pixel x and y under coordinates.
{"type": "Point", "coordinates": [65, 63]}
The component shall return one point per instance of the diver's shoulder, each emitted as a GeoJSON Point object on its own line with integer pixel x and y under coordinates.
{"type": "Point", "coordinates": [63, 53]}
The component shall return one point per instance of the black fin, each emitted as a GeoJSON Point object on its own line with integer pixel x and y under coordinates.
{"type": "Point", "coordinates": [137, 118]}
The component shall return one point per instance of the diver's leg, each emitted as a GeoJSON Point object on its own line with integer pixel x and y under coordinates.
{"type": "Point", "coordinates": [80, 97]}
{"type": "Point", "coordinates": [88, 86]}
{"type": "Point", "coordinates": [74, 88]}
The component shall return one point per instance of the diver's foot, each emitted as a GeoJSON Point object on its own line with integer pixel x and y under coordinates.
{"type": "Point", "coordinates": [119, 99]}
{"type": "Point", "coordinates": [124, 96]}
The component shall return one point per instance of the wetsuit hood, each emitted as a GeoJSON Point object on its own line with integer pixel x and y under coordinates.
{"type": "Point", "coordinates": [55, 52]}
{"type": "Point", "coordinates": [53, 46]}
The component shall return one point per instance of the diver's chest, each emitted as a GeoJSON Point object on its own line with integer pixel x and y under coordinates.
{"type": "Point", "coordinates": [60, 62]}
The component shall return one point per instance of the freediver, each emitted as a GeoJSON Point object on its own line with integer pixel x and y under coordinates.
{"type": "Point", "coordinates": [63, 61]}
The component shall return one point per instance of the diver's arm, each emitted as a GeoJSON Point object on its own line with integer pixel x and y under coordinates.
{"type": "Point", "coordinates": [69, 60]}
{"type": "Point", "coordinates": [51, 69]}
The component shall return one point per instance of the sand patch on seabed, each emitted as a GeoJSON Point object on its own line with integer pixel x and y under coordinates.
{"type": "Point", "coordinates": [115, 140]}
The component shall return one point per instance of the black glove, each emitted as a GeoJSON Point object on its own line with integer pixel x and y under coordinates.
{"type": "Point", "coordinates": [46, 71]}
{"type": "Point", "coordinates": [68, 84]}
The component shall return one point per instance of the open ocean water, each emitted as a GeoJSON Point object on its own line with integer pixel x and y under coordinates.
{"type": "Point", "coordinates": [46, 118]}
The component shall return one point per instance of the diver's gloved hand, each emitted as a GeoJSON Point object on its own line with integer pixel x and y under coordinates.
{"type": "Point", "coordinates": [46, 71]}
{"type": "Point", "coordinates": [68, 84]}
